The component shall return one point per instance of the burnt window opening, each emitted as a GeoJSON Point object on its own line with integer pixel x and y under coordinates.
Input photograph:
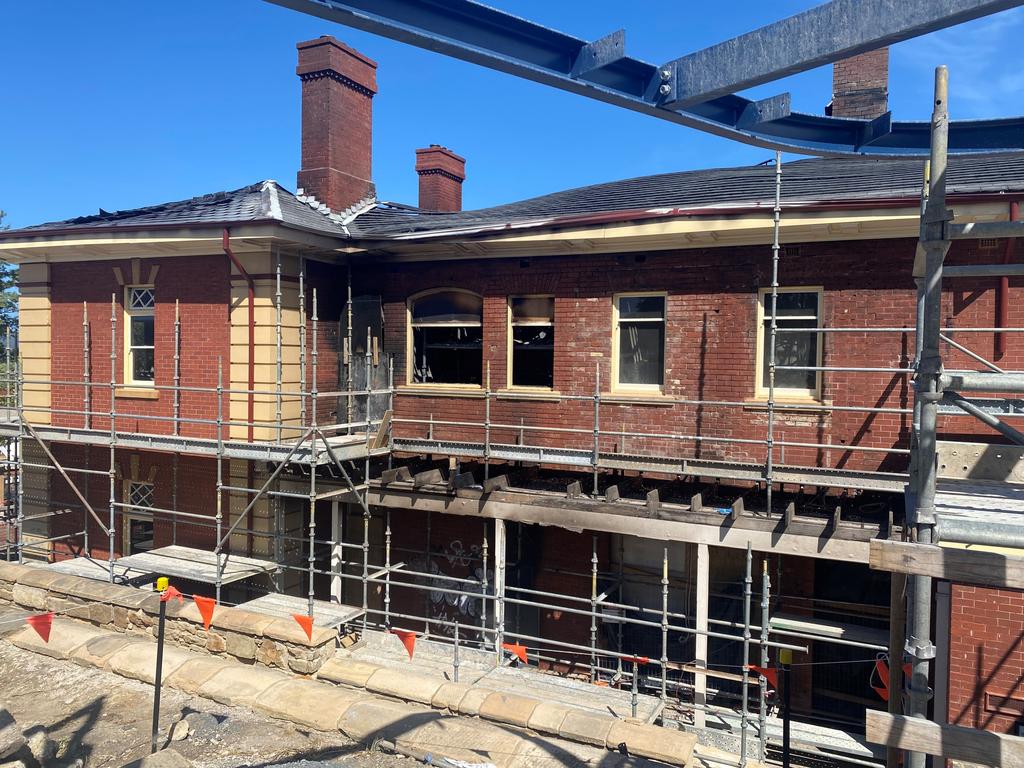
{"type": "Point", "coordinates": [447, 338]}
{"type": "Point", "coordinates": [533, 341]}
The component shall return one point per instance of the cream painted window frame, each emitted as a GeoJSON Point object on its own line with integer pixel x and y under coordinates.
{"type": "Point", "coordinates": [647, 389]}
{"type": "Point", "coordinates": [129, 313]}
{"type": "Point", "coordinates": [410, 361]}
{"type": "Point", "coordinates": [788, 393]}
{"type": "Point", "coordinates": [135, 513]}
{"type": "Point", "coordinates": [509, 341]}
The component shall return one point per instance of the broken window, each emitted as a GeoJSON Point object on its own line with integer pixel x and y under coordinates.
{"type": "Point", "coordinates": [795, 309]}
{"type": "Point", "coordinates": [140, 337]}
{"type": "Point", "coordinates": [640, 340]}
{"type": "Point", "coordinates": [447, 338]}
{"type": "Point", "coordinates": [532, 341]}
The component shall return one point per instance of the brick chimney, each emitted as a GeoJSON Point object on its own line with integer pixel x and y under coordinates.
{"type": "Point", "coordinates": [338, 84]}
{"type": "Point", "coordinates": [860, 86]}
{"type": "Point", "coordinates": [441, 174]}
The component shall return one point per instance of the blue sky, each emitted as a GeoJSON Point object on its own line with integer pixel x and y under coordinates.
{"type": "Point", "coordinates": [118, 104]}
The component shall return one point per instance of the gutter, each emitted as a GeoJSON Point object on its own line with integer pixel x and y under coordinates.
{"type": "Point", "coordinates": [252, 331]}
{"type": "Point", "coordinates": [642, 214]}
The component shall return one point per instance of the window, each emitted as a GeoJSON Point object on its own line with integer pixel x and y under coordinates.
{"type": "Point", "coordinates": [795, 308]}
{"type": "Point", "coordinates": [447, 338]}
{"type": "Point", "coordinates": [532, 341]}
{"type": "Point", "coordinates": [639, 341]}
{"type": "Point", "coordinates": [138, 528]}
{"type": "Point", "coordinates": [139, 336]}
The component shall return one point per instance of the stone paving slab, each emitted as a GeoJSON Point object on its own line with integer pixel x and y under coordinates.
{"type": "Point", "coordinates": [379, 718]}
{"type": "Point", "coordinates": [403, 685]}
{"type": "Point", "coordinates": [585, 727]}
{"type": "Point", "coordinates": [97, 652]}
{"type": "Point", "coordinates": [347, 671]}
{"type": "Point", "coordinates": [191, 675]}
{"type": "Point", "coordinates": [238, 686]}
{"type": "Point", "coordinates": [138, 661]}
{"type": "Point", "coordinates": [508, 708]}
{"type": "Point", "coordinates": [307, 703]}
{"type": "Point", "coordinates": [65, 638]}
{"type": "Point", "coordinates": [548, 717]}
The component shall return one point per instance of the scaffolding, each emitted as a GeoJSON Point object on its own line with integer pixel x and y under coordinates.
{"type": "Point", "coordinates": [338, 462]}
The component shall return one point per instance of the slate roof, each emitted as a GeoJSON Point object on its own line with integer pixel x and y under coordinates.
{"type": "Point", "coordinates": [803, 181]}
{"type": "Point", "coordinates": [813, 180]}
{"type": "Point", "coordinates": [264, 201]}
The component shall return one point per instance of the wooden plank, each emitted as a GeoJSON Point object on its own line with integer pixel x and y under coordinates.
{"type": "Point", "coordinates": [428, 477]}
{"type": "Point", "coordinates": [498, 483]}
{"type": "Point", "coordinates": [380, 440]}
{"type": "Point", "coordinates": [400, 474]}
{"type": "Point", "coordinates": [950, 741]}
{"type": "Point", "coordinates": [967, 566]}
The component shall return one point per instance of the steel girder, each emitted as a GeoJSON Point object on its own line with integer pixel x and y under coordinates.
{"type": "Point", "coordinates": [694, 90]}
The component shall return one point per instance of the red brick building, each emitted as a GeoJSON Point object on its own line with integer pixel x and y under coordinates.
{"type": "Point", "coordinates": [577, 384]}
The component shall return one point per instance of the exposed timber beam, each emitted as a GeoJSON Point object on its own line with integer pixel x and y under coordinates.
{"type": "Point", "coordinates": [968, 566]}
{"type": "Point", "coordinates": [486, 36]}
{"type": "Point", "coordinates": [821, 35]}
{"type": "Point", "coordinates": [950, 741]}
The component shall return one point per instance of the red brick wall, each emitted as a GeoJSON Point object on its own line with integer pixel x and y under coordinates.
{"type": "Point", "coordinates": [196, 495]}
{"type": "Point", "coordinates": [201, 285]}
{"type": "Point", "coordinates": [986, 658]}
{"type": "Point", "coordinates": [711, 344]}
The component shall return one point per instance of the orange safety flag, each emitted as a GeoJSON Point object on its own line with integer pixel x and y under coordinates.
{"type": "Point", "coordinates": [516, 650]}
{"type": "Point", "coordinates": [170, 594]}
{"type": "Point", "coordinates": [408, 639]}
{"type": "Point", "coordinates": [882, 671]}
{"type": "Point", "coordinates": [41, 623]}
{"type": "Point", "coordinates": [205, 606]}
{"type": "Point", "coordinates": [771, 674]}
{"type": "Point", "coordinates": [306, 622]}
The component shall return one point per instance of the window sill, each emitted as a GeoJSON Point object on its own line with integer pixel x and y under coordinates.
{"type": "Point", "coordinates": [441, 390]}
{"type": "Point", "coordinates": [804, 404]}
{"type": "Point", "coordinates": [514, 393]}
{"type": "Point", "coordinates": [137, 393]}
{"type": "Point", "coordinates": [638, 398]}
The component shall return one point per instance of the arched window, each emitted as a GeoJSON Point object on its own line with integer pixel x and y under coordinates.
{"type": "Point", "coordinates": [447, 337]}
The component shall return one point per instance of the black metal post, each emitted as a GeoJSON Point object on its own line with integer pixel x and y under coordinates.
{"type": "Point", "coordinates": [158, 680]}
{"type": "Point", "coordinates": [785, 714]}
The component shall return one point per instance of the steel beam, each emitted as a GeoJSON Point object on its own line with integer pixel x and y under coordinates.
{"type": "Point", "coordinates": [482, 35]}
{"type": "Point", "coordinates": [819, 36]}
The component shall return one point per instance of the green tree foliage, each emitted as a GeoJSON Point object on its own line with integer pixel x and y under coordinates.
{"type": "Point", "coordinates": [8, 295]}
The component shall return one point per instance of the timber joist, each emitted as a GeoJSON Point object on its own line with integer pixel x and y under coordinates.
{"type": "Point", "coordinates": [650, 517]}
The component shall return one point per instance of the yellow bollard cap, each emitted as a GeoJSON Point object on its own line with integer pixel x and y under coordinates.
{"type": "Point", "coordinates": [162, 584]}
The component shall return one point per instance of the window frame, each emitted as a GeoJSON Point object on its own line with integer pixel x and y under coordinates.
{"type": "Point", "coordinates": [134, 513]}
{"type": "Point", "coordinates": [409, 343]}
{"type": "Point", "coordinates": [788, 393]}
{"type": "Point", "coordinates": [129, 348]}
{"type": "Point", "coordinates": [617, 386]}
{"type": "Point", "coordinates": [510, 325]}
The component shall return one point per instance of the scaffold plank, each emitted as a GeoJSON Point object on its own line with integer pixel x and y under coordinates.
{"type": "Point", "coordinates": [950, 741]}
{"type": "Point", "coordinates": [196, 564]}
{"type": "Point", "coordinates": [968, 566]}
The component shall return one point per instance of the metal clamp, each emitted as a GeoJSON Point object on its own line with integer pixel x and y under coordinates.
{"type": "Point", "coordinates": [924, 651]}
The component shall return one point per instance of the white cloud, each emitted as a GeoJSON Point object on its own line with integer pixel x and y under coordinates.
{"type": "Point", "coordinates": [985, 70]}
